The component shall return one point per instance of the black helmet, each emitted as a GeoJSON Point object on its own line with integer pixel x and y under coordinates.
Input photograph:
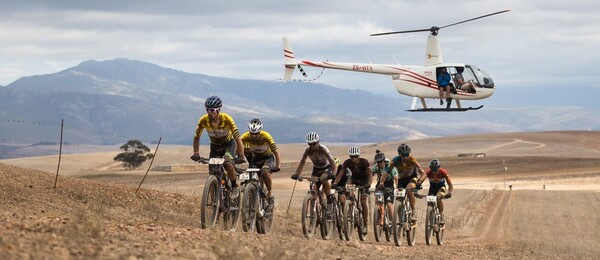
{"type": "Point", "coordinates": [213, 102]}
{"type": "Point", "coordinates": [379, 156]}
{"type": "Point", "coordinates": [403, 150]}
{"type": "Point", "coordinates": [435, 164]}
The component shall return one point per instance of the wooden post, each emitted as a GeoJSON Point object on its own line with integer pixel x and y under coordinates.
{"type": "Point", "coordinates": [59, 150]}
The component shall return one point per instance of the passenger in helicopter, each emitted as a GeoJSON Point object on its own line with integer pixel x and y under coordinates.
{"type": "Point", "coordinates": [444, 85]}
{"type": "Point", "coordinates": [461, 84]}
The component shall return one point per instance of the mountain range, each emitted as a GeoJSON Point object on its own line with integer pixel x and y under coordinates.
{"type": "Point", "coordinates": [112, 101]}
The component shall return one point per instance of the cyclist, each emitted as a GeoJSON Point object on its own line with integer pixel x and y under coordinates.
{"type": "Point", "coordinates": [323, 164]}
{"type": "Point", "coordinates": [361, 177]}
{"type": "Point", "coordinates": [260, 148]}
{"type": "Point", "coordinates": [345, 177]}
{"type": "Point", "coordinates": [407, 167]}
{"type": "Point", "coordinates": [385, 180]}
{"type": "Point", "coordinates": [437, 184]}
{"type": "Point", "coordinates": [224, 138]}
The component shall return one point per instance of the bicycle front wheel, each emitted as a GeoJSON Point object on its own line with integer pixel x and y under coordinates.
{"type": "Point", "coordinates": [412, 228]}
{"type": "Point", "coordinates": [348, 220]}
{"type": "Point", "coordinates": [309, 216]}
{"type": "Point", "coordinates": [387, 224]}
{"type": "Point", "coordinates": [378, 222]}
{"type": "Point", "coordinates": [429, 221]}
{"type": "Point", "coordinates": [439, 235]}
{"type": "Point", "coordinates": [397, 225]}
{"type": "Point", "coordinates": [209, 210]}
{"type": "Point", "coordinates": [249, 207]}
{"type": "Point", "coordinates": [231, 216]}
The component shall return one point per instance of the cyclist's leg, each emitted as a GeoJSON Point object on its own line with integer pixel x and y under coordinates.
{"type": "Point", "coordinates": [365, 207]}
{"type": "Point", "coordinates": [325, 175]}
{"type": "Point", "coordinates": [440, 194]}
{"type": "Point", "coordinates": [411, 183]}
{"type": "Point", "coordinates": [267, 174]}
{"type": "Point", "coordinates": [389, 199]}
{"type": "Point", "coordinates": [228, 156]}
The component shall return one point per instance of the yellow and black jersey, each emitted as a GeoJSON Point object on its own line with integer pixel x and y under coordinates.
{"type": "Point", "coordinates": [220, 135]}
{"type": "Point", "coordinates": [261, 145]}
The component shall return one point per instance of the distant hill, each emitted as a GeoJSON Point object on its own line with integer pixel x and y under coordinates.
{"type": "Point", "coordinates": [110, 102]}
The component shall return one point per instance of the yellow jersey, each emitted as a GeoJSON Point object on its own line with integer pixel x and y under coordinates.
{"type": "Point", "coordinates": [220, 135]}
{"type": "Point", "coordinates": [263, 145]}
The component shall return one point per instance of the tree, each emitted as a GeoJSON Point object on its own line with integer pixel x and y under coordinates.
{"type": "Point", "coordinates": [134, 154]}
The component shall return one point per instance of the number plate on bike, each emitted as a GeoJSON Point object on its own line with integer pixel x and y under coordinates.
{"type": "Point", "coordinates": [216, 161]}
{"type": "Point", "coordinates": [431, 198]}
{"type": "Point", "coordinates": [244, 176]}
{"type": "Point", "coordinates": [350, 187]}
{"type": "Point", "coordinates": [400, 193]}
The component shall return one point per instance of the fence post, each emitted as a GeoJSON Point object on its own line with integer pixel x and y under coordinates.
{"type": "Point", "coordinates": [59, 151]}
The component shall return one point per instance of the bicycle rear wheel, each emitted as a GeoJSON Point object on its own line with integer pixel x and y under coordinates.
{"type": "Point", "coordinates": [231, 216]}
{"type": "Point", "coordinates": [209, 210]}
{"type": "Point", "coordinates": [309, 218]}
{"type": "Point", "coordinates": [249, 207]}
{"type": "Point", "coordinates": [348, 220]}
{"type": "Point", "coordinates": [429, 224]}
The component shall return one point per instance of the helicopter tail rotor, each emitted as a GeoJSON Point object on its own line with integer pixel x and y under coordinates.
{"type": "Point", "coordinates": [434, 29]}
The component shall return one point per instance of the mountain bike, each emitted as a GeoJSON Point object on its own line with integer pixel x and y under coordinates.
{"type": "Point", "coordinates": [255, 211]}
{"type": "Point", "coordinates": [402, 224]}
{"type": "Point", "coordinates": [313, 214]}
{"type": "Point", "coordinates": [216, 197]}
{"type": "Point", "coordinates": [382, 217]}
{"type": "Point", "coordinates": [432, 224]}
{"type": "Point", "coordinates": [352, 213]}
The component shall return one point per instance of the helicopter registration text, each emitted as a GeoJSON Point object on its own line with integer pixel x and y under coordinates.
{"type": "Point", "coordinates": [362, 68]}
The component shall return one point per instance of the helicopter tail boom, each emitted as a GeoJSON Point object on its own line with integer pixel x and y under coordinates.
{"type": "Point", "coordinates": [290, 62]}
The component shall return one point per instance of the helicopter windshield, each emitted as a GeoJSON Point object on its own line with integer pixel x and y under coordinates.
{"type": "Point", "coordinates": [479, 76]}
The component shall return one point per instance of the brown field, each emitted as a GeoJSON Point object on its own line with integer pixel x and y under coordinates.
{"type": "Point", "coordinates": [94, 212]}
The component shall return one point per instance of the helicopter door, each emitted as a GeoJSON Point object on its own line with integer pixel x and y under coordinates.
{"type": "Point", "coordinates": [478, 75]}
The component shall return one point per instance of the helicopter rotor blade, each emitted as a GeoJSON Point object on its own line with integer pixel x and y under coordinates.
{"type": "Point", "coordinates": [434, 29]}
{"type": "Point", "coordinates": [504, 11]}
{"type": "Point", "coordinates": [409, 31]}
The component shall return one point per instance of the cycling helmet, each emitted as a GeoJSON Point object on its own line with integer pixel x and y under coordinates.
{"type": "Point", "coordinates": [434, 165]}
{"type": "Point", "coordinates": [403, 150]}
{"type": "Point", "coordinates": [255, 126]}
{"type": "Point", "coordinates": [337, 161]}
{"type": "Point", "coordinates": [312, 138]}
{"type": "Point", "coordinates": [213, 102]}
{"type": "Point", "coordinates": [354, 151]}
{"type": "Point", "coordinates": [379, 157]}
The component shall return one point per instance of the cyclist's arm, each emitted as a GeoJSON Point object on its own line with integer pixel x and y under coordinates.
{"type": "Point", "coordinates": [450, 186]}
{"type": "Point", "coordinates": [197, 135]}
{"type": "Point", "coordinates": [277, 158]}
{"type": "Point", "coordinates": [339, 174]}
{"type": "Point", "coordinates": [240, 147]}
{"type": "Point", "coordinates": [369, 176]}
{"type": "Point", "coordinates": [422, 175]}
{"type": "Point", "coordinates": [301, 164]}
{"type": "Point", "coordinates": [332, 163]}
{"type": "Point", "coordinates": [383, 178]}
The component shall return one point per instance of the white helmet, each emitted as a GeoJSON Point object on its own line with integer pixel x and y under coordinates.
{"type": "Point", "coordinates": [354, 151]}
{"type": "Point", "coordinates": [312, 138]}
{"type": "Point", "coordinates": [255, 126]}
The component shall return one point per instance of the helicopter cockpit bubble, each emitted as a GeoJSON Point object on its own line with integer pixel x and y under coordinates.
{"type": "Point", "coordinates": [481, 77]}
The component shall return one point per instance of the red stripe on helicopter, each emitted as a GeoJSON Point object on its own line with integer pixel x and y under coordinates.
{"type": "Point", "coordinates": [414, 75]}
{"type": "Point", "coordinates": [420, 83]}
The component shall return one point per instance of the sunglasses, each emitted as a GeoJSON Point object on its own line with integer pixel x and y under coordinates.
{"type": "Point", "coordinates": [354, 156]}
{"type": "Point", "coordinates": [404, 155]}
{"type": "Point", "coordinates": [380, 162]}
{"type": "Point", "coordinates": [212, 110]}
{"type": "Point", "coordinates": [254, 134]}
{"type": "Point", "coordinates": [312, 144]}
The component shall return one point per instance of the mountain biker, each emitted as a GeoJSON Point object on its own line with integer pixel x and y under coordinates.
{"type": "Point", "coordinates": [385, 180]}
{"type": "Point", "coordinates": [323, 164]}
{"type": "Point", "coordinates": [407, 167]}
{"type": "Point", "coordinates": [437, 184]}
{"type": "Point", "coordinates": [224, 138]}
{"type": "Point", "coordinates": [361, 177]}
{"type": "Point", "coordinates": [260, 148]}
{"type": "Point", "coordinates": [345, 176]}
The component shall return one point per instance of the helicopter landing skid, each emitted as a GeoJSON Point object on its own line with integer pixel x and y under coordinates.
{"type": "Point", "coordinates": [462, 109]}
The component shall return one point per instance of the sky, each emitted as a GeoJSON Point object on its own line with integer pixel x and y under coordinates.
{"type": "Point", "coordinates": [548, 43]}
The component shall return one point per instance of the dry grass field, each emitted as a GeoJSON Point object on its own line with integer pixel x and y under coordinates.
{"type": "Point", "coordinates": [94, 212]}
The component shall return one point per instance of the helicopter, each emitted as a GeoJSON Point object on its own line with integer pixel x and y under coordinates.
{"type": "Point", "coordinates": [419, 82]}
